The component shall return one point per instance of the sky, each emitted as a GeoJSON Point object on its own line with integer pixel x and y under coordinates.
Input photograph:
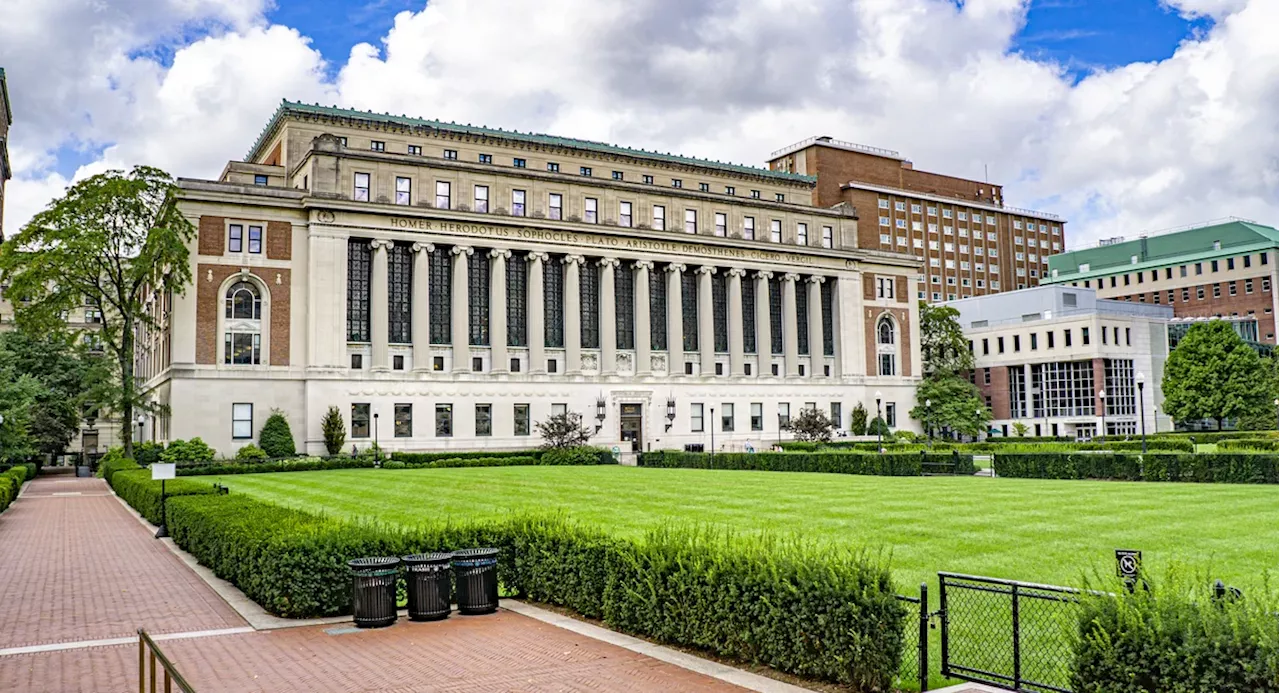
{"type": "Point", "coordinates": [1122, 116]}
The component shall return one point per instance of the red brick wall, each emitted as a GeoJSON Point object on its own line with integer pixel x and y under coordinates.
{"type": "Point", "coordinates": [209, 301]}
{"type": "Point", "coordinates": [903, 318]}
{"type": "Point", "coordinates": [212, 231]}
{"type": "Point", "coordinates": [1258, 302]}
{"type": "Point", "coordinates": [279, 240]}
{"type": "Point", "coordinates": [835, 167]}
{"type": "Point", "coordinates": [999, 391]}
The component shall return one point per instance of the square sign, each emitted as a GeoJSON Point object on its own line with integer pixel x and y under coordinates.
{"type": "Point", "coordinates": [1128, 563]}
{"type": "Point", "coordinates": [160, 470]}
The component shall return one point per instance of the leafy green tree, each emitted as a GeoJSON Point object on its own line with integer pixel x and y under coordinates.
{"type": "Point", "coordinates": [112, 240]}
{"type": "Point", "coordinates": [17, 395]}
{"type": "Point", "coordinates": [194, 450]}
{"type": "Point", "coordinates": [1020, 429]}
{"type": "Point", "coordinates": [858, 420]}
{"type": "Point", "coordinates": [276, 439]}
{"type": "Point", "coordinates": [943, 346]}
{"type": "Point", "coordinates": [1214, 374]}
{"type": "Point", "coordinates": [335, 431]}
{"type": "Point", "coordinates": [879, 424]}
{"type": "Point", "coordinates": [954, 403]}
{"type": "Point", "coordinates": [560, 431]}
{"type": "Point", "coordinates": [68, 376]}
{"type": "Point", "coordinates": [811, 424]}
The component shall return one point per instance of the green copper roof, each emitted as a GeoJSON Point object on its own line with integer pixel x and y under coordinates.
{"type": "Point", "coordinates": [293, 107]}
{"type": "Point", "coordinates": [1235, 237]}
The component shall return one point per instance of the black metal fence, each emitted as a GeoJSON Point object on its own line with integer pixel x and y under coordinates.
{"type": "Point", "coordinates": [915, 639]}
{"type": "Point", "coordinates": [1015, 635]}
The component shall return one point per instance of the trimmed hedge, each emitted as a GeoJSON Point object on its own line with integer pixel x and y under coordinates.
{"type": "Point", "coordinates": [300, 464]}
{"type": "Point", "coordinates": [887, 464]}
{"type": "Point", "coordinates": [1215, 436]}
{"type": "Point", "coordinates": [137, 489]}
{"type": "Point", "coordinates": [1249, 444]}
{"type": "Point", "coordinates": [425, 457]}
{"type": "Point", "coordinates": [113, 462]}
{"type": "Point", "coordinates": [11, 481]}
{"type": "Point", "coordinates": [1228, 468]}
{"type": "Point", "coordinates": [823, 612]}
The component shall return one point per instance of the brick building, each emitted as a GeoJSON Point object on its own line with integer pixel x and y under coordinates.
{"type": "Point", "coordinates": [1225, 269]}
{"type": "Point", "coordinates": [969, 242]}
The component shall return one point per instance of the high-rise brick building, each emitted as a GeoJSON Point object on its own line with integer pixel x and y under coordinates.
{"type": "Point", "coordinates": [969, 242]}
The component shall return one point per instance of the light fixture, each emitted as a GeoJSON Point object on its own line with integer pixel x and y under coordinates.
{"type": "Point", "coordinates": [600, 405]}
{"type": "Point", "coordinates": [671, 412]}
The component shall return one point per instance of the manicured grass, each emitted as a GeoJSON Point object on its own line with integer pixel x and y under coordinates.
{"type": "Point", "coordinates": [1034, 530]}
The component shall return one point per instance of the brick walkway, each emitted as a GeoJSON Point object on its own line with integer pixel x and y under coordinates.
{"type": "Point", "coordinates": [79, 567]}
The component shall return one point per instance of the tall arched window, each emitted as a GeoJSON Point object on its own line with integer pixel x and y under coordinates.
{"type": "Point", "coordinates": [886, 346]}
{"type": "Point", "coordinates": [242, 338]}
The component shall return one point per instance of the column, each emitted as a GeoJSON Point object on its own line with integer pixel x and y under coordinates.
{"type": "Point", "coordinates": [764, 326]}
{"type": "Point", "coordinates": [733, 287]}
{"type": "Point", "coordinates": [706, 322]}
{"type": "Point", "coordinates": [852, 344]}
{"type": "Point", "coordinates": [461, 327]}
{"type": "Point", "coordinates": [536, 322]}
{"type": "Point", "coordinates": [379, 308]}
{"type": "Point", "coordinates": [816, 357]}
{"type": "Point", "coordinates": [498, 311]}
{"type": "Point", "coordinates": [608, 318]}
{"type": "Point", "coordinates": [573, 314]}
{"type": "Point", "coordinates": [1026, 397]}
{"type": "Point", "coordinates": [837, 329]}
{"type": "Point", "coordinates": [675, 321]}
{"type": "Point", "coordinates": [791, 342]}
{"type": "Point", "coordinates": [641, 313]}
{"type": "Point", "coordinates": [422, 307]}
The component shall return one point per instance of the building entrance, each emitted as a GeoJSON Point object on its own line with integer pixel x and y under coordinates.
{"type": "Point", "coordinates": [631, 426]}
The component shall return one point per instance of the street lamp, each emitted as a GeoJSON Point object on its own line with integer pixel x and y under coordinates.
{"type": "Point", "coordinates": [142, 421]}
{"type": "Point", "coordinates": [928, 420]}
{"type": "Point", "coordinates": [375, 438]}
{"type": "Point", "coordinates": [713, 437]}
{"type": "Point", "coordinates": [978, 413]}
{"type": "Point", "coordinates": [1142, 414]}
{"type": "Point", "coordinates": [879, 424]}
{"type": "Point", "coordinates": [1102, 398]}
{"type": "Point", "coordinates": [600, 407]}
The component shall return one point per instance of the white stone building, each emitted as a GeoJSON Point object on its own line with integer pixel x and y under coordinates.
{"type": "Point", "coordinates": [449, 286]}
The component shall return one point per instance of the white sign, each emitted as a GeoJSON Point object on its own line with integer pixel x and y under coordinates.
{"type": "Point", "coordinates": [161, 470]}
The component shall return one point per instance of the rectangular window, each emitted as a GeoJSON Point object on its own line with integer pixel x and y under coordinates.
{"type": "Point", "coordinates": [779, 197]}
{"type": "Point", "coordinates": [584, 171]}
{"type": "Point", "coordinates": [884, 287]}
{"type": "Point", "coordinates": [236, 242]}
{"type": "Point", "coordinates": [757, 416]}
{"type": "Point", "coordinates": [986, 347]}
{"type": "Point", "coordinates": [999, 345]}
{"type": "Point", "coordinates": [677, 183]}
{"type": "Point", "coordinates": [1248, 288]}
{"type": "Point", "coordinates": [1017, 343]}
{"type": "Point", "coordinates": [481, 199]}
{"type": "Point", "coordinates": [415, 150]}
{"type": "Point", "coordinates": [1217, 291]}
{"type": "Point", "coordinates": [555, 206]}
{"type": "Point", "coordinates": [553, 167]}
{"type": "Point", "coordinates": [1084, 336]}
{"type": "Point", "coordinates": [749, 228]}
{"type": "Point", "coordinates": [444, 192]}
{"type": "Point", "coordinates": [659, 218]}
{"type": "Point", "coordinates": [1247, 260]}
{"type": "Point", "coordinates": [1199, 268]}
{"type": "Point", "coordinates": [444, 420]}
{"type": "Point", "coordinates": [1262, 258]}
{"type": "Point", "coordinates": [828, 237]}
{"type": "Point", "coordinates": [695, 417]}
{"type": "Point", "coordinates": [518, 162]}
{"type": "Point", "coordinates": [729, 190]}
{"type": "Point", "coordinates": [590, 210]}
{"type": "Point", "coordinates": [242, 421]}
{"type": "Point", "coordinates": [624, 214]}
{"type": "Point", "coordinates": [1066, 338]}
{"type": "Point", "coordinates": [802, 234]}
{"type": "Point", "coordinates": [1199, 293]}
{"type": "Point", "coordinates": [890, 414]}
{"type": "Point", "coordinates": [1213, 265]}
{"type": "Point", "coordinates": [690, 221]}
{"type": "Point", "coordinates": [520, 414]}
{"type": "Point", "coordinates": [404, 420]}
{"type": "Point", "coordinates": [517, 203]}
{"type": "Point", "coordinates": [377, 146]}
{"type": "Point", "coordinates": [704, 187]}
{"type": "Point", "coordinates": [259, 179]}
{"type": "Point", "coordinates": [403, 188]}
{"type": "Point", "coordinates": [722, 223]}
{"type": "Point", "coordinates": [726, 417]}
{"type": "Point", "coordinates": [451, 154]}
{"type": "Point", "coordinates": [647, 179]}
{"type": "Point", "coordinates": [361, 187]}
{"type": "Point", "coordinates": [784, 414]}
{"type": "Point", "coordinates": [360, 420]}
{"type": "Point", "coordinates": [484, 419]}
{"type": "Point", "coordinates": [775, 230]}
{"type": "Point", "coordinates": [617, 175]}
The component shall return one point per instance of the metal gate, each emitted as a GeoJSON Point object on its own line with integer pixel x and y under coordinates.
{"type": "Point", "coordinates": [1015, 635]}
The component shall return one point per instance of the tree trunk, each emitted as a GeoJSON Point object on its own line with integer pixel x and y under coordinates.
{"type": "Point", "coordinates": [126, 386]}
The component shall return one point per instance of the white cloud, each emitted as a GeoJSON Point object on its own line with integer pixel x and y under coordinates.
{"type": "Point", "coordinates": [1137, 147]}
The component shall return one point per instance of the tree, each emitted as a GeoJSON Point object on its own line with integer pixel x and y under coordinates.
{"type": "Point", "coordinates": [276, 439]}
{"type": "Point", "coordinates": [67, 377]}
{"type": "Point", "coordinates": [811, 424]}
{"type": "Point", "coordinates": [879, 424]}
{"type": "Point", "coordinates": [1214, 374]}
{"type": "Point", "coordinates": [1020, 429]}
{"type": "Point", "coordinates": [954, 403]}
{"type": "Point", "coordinates": [17, 394]}
{"type": "Point", "coordinates": [113, 240]}
{"type": "Point", "coordinates": [564, 430]}
{"type": "Point", "coordinates": [943, 346]}
{"type": "Point", "coordinates": [335, 431]}
{"type": "Point", "coordinates": [858, 420]}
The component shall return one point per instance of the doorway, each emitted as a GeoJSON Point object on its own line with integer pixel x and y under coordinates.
{"type": "Point", "coordinates": [631, 425]}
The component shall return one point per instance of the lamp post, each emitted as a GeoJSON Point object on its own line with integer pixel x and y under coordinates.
{"type": "Point", "coordinates": [1102, 399]}
{"type": "Point", "coordinates": [713, 437]}
{"type": "Point", "coordinates": [879, 425]}
{"type": "Point", "coordinates": [978, 413]}
{"type": "Point", "coordinates": [141, 421]}
{"type": "Point", "coordinates": [377, 451]}
{"type": "Point", "coordinates": [928, 420]}
{"type": "Point", "coordinates": [1142, 413]}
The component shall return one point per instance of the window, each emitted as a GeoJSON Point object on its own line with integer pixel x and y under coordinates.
{"type": "Point", "coordinates": [886, 346]}
{"type": "Point", "coordinates": [518, 162]}
{"type": "Point", "coordinates": [884, 221]}
{"type": "Point", "coordinates": [360, 420]}
{"type": "Point", "coordinates": [1017, 343]}
{"type": "Point", "coordinates": [784, 414]}
{"type": "Point", "coordinates": [775, 230]}
{"type": "Point", "coordinates": [647, 179]}
{"type": "Point", "coordinates": [1128, 335]}
{"type": "Point", "coordinates": [1066, 338]}
{"type": "Point", "coordinates": [695, 417]}
{"type": "Point", "coordinates": [802, 234]}
{"type": "Point", "coordinates": [617, 175]}
{"type": "Point", "coordinates": [690, 221]}
{"type": "Point", "coordinates": [1104, 336]}
{"type": "Point", "coordinates": [1248, 287]}
{"type": "Point", "coordinates": [444, 191]}
{"type": "Point", "coordinates": [755, 194]}
{"type": "Point", "coordinates": [451, 154]}
{"type": "Point", "coordinates": [259, 179]}
{"type": "Point", "coordinates": [584, 171]}
{"type": "Point", "coordinates": [361, 192]}
{"type": "Point", "coordinates": [242, 341]}
{"type": "Point", "coordinates": [729, 190]}
{"type": "Point", "coordinates": [517, 203]}
{"type": "Point", "coordinates": [241, 421]}
{"type": "Point", "coordinates": [397, 362]}
{"type": "Point", "coordinates": [558, 408]}
{"type": "Point", "coordinates": [999, 345]}
{"type": "Point", "coordinates": [986, 346]}
{"type": "Point", "coordinates": [946, 214]}
{"type": "Point", "coordinates": [377, 146]}
{"type": "Point", "coordinates": [1266, 284]}
{"type": "Point", "coordinates": [481, 199]}
{"type": "Point", "coordinates": [722, 223]}
{"type": "Point", "coordinates": [1199, 293]}
{"type": "Point", "coordinates": [403, 187]}
{"type": "Point", "coordinates": [555, 206]}
{"type": "Point", "coordinates": [1033, 342]}
{"type": "Point", "coordinates": [520, 416]}
{"type": "Point", "coordinates": [444, 420]}
{"type": "Point", "coordinates": [236, 242]}
{"type": "Point", "coordinates": [1213, 265]}
{"type": "Point", "coordinates": [1247, 261]}
{"type": "Point", "coordinates": [757, 416]}
{"type": "Point", "coordinates": [589, 210]}
{"type": "Point", "coordinates": [1262, 258]}
{"type": "Point", "coordinates": [890, 414]}
{"type": "Point", "coordinates": [1084, 336]}
{"type": "Point", "coordinates": [659, 218]}
{"type": "Point", "coordinates": [677, 183]}
{"type": "Point", "coordinates": [553, 167]}
{"type": "Point", "coordinates": [1217, 291]}
{"type": "Point", "coordinates": [884, 287]}
{"type": "Point", "coordinates": [624, 214]}
{"type": "Point", "coordinates": [779, 197]}
{"type": "Point", "coordinates": [404, 421]}
{"type": "Point", "coordinates": [415, 150]}
{"type": "Point", "coordinates": [1048, 339]}
{"type": "Point", "coordinates": [726, 417]}
{"type": "Point", "coordinates": [749, 228]}
{"type": "Point", "coordinates": [484, 419]}
{"type": "Point", "coordinates": [1199, 268]}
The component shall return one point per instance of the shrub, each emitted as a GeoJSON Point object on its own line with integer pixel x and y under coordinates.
{"type": "Point", "coordinates": [110, 464]}
{"type": "Point", "coordinates": [393, 464]}
{"type": "Point", "coordinates": [194, 450]}
{"type": "Point", "coordinates": [335, 430]}
{"type": "Point", "coordinates": [887, 464]}
{"type": "Point", "coordinates": [136, 488]}
{"type": "Point", "coordinates": [563, 430]}
{"type": "Point", "coordinates": [251, 453]}
{"type": "Point", "coordinates": [422, 458]}
{"type": "Point", "coordinates": [584, 455]}
{"type": "Point", "coordinates": [858, 420]}
{"type": "Point", "coordinates": [1248, 444]}
{"type": "Point", "coordinates": [298, 464]}
{"type": "Point", "coordinates": [1170, 638]}
{"type": "Point", "coordinates": [1234, 468]}
{"type": "Point", "coordinates": [276, 439]}
{"type": "Point", "coordinates": [478, 462]}
{"type": "Point", "coordinates": [811, 424]}
{"type": "Point", "coordinates": [11, 481]}
{"type": "Point", "coordinates": [147, 453]}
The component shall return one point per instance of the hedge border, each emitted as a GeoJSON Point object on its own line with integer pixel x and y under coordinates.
{"type": "Point", "coordinates": [830, 462]}
{"type": "Point", "coordinates": [1223, 468]}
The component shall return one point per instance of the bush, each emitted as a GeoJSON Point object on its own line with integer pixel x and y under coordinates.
{"type": "Point", "coordinates": [1174, 639]}
{"type": "Point", "coordinates": [251, 453]}
{"type": "Point", "coordinates": [793, 606]}
{"type": "Point", "coordinates": [136, 488]}
{"type": "Point", "coordinates": [298, 464]}
{"type": "Point", "coordinates": [11, 481]}
{"type": "Point", "coordinates": [147, 453]}
{"type": "Point", "coordinates": [393, 464]}
{"type": "Point", "coordinates": [194, 450]}
{"type": "Point", "coordinates": [476, 462]}
{"type": "Point", "coordinates": [335, 430]}
{"type": "Point", "coordinates": [276, 439]}
{"type": "Point", "coordinates": [114, 461]}
{"type": "Point", "coordinates": [585, 455]}
{"type": "Point", "coordinates": [1235, 468]}
{"type": "Point", "coordinates": [1248, 444]}
{"type": "Point", "coordinates": [887, 464]}
{"type": "Point", "coordinates": [422, 458]}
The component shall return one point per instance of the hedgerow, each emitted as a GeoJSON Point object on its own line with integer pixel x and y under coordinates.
{"type": "Point", "coordinates": [887, 464]}
{"type": "Point", "coordinates": [1232, 468]}
{"type": "Point", "coordinates": [136, 488]}
{"type": "Point", "coordinates": [11, 481]}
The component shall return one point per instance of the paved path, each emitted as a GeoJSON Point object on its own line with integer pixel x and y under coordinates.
{"type": "Point", "coordinates": [76, 566]}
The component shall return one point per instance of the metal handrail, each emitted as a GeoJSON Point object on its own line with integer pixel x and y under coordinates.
{"type": "Point", "coordinates": [171, 676]}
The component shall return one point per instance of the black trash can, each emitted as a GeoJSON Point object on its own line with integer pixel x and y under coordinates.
{"type": "Point", "coordinates": [429, 585]}
{"type": "Point", "coordinates": [476, 572]}
{"type": "Point", "coordinates": [373, 592]}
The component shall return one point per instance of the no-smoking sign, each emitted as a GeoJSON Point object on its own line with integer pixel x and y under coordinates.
{"type": "Point", "coordinates": [1128, 563]}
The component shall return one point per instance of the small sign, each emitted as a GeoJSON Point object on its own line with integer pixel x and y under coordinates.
{"type": "Point", "coordinates": [617, 453]}
{"type": "Point", "coordinates": [1128, 563]}
{"type": "Point", "coordinates": [161, 470]}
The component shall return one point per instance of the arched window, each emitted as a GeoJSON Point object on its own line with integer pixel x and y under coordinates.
{"type": "Point", "coordinates": [885, 329]}
{"type": "Point", "coordinates": [886, 347]}
{"type": "Point", "coordinates": [242, 336]}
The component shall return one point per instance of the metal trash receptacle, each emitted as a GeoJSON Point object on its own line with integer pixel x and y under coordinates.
{"type": "Point", "coordinates": [429, 585]}
{"type": "Point", "coordinates": [476, 574]}
{"type": "Point", "coordinates": [373, 591]}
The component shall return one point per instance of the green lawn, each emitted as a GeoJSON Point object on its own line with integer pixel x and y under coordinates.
{"type": "Point", "coordinates": [1033, 530]}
